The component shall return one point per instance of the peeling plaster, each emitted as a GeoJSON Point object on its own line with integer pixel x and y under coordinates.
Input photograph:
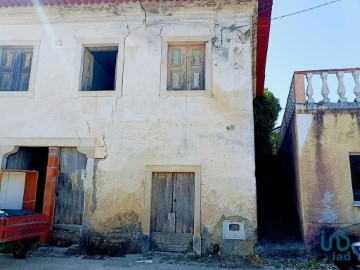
{"type": "Point", "coordinates": [137, 127]}
{"type": "Point", "coordinates": [303, 124]}
{"type": "Point", "coordinates": [329, 213]}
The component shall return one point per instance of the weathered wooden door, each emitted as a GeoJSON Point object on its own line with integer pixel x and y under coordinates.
{"type": "Point", "coordinates": [172, 210]}
{"type": "Point", "coordinates": [69, 200]}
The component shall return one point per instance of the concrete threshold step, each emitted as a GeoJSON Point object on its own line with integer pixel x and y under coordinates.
{"type": "Point", "coordinates": [172, 242]}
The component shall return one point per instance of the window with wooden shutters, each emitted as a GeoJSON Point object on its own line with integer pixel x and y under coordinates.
{"type": "Point", "coordinates": [186, 67]}
{"type": "Point", "coordinates": [15, 68]}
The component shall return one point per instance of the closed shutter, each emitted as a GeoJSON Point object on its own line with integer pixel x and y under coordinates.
{"type": "Point", "coordinates": [15, 68]}
{"type": "Point", "coordinates": [8, 70]}
{"type": "Point", "coordinates": [186, 67]}
{"type": "Point", "coordinates": [25, 68]}
{"type": "Point", "coordinates": [177, 68]}
{"type": "Point", "coordinates": [196, 67]}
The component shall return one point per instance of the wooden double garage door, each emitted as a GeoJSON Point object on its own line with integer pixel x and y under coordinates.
{"type": "Point", "coordinates": [172, 211]}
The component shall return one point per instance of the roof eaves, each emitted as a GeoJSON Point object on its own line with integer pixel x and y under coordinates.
{"type": "Point", "coordinates": [263, 31]}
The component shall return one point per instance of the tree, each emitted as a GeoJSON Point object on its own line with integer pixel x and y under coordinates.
{"type": "Point", "coordinates": [266, 112]}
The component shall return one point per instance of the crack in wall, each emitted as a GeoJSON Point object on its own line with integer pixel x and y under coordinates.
{"type": "Point", "coordinates": [216, 24]}
{"type": "Point", "coordinates": [112, 110]}
{"type": "Point", "coordinates": [103, 139]}
{"type": "Point", "coordinates": [77, 134]}
{"type": "Point", "coordinates": [89, 129]}
{"type": "Point", "coordinates": [124, 47]}
{"type": "Point", "coordinates": [161, 56]}
{"type": "Point", "coordinates": [87, 121]}
{"type": "Point", "coordinates": [143, 9]}
{"type": "Point", "coordinates": [116, 103]}
{"type": "Point", "coordinates": [93, 205]}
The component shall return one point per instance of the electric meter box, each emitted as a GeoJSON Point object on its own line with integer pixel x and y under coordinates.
{"type": "Point", "coordinates": [234, 230]}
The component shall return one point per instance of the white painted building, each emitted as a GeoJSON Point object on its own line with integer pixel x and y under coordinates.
{"type": "Point", "coordinates": [158, 96]}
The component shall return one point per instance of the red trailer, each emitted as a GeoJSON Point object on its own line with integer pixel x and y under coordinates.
{"type": "Point", "coordinates": [21, 226]}
{"type": "Point", "coordinates": [21, 231]}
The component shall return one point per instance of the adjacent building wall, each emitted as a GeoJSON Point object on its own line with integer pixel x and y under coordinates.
{"type": "Point", "coordinates": [289, 164]}
{"type": "Point", "coordinates": [325, 140]}
{"type": "Point", "coordinates": [136, 125]}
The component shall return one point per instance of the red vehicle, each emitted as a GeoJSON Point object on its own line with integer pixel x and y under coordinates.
{"type": "Point", "coordinates": [19, 225]}
{"type": "Point", "coordinates": [20, 229]}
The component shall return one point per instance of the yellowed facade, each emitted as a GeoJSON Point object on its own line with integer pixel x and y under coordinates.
{"type": "Point", "coordinates": [141, 125]}
{"type": "Point", "coordinates": [319, 139]}
{"type": "Point", "coordinates": [326, 195]}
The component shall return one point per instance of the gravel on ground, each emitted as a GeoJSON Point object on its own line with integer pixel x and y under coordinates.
{"type": "Point", "coordinates": [54, 258]}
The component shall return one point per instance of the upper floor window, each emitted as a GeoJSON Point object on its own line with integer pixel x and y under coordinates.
{"type": "Point", "coordinates": [99, 68]}
{"type": "Point", "coordinates": [186, 67]}
{"type": "Point", "coordinates": [15, 68]}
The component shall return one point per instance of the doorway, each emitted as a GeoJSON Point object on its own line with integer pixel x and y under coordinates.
{"type": "Point", "coordinates": [32, 158]}
{"type": "Point", "coordinates": [172, 211]}
{"type": "Point", "coordinates": [69, 197]}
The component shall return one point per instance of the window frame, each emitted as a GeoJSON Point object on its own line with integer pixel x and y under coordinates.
{"type": "Point", "coordinates": [355, 202]}
{"type": "Point", "coordinates": [186, 67]}
{"type": "Point", "coordinates": [24, 44]}
{"type": "Point", "coordinates": [185, 40]}
{"type": "Point", "coordinates": [79, 64]}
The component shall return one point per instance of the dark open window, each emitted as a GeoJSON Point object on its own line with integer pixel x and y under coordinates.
{"type": "Point", "coordinates": [99, 68]}
{"type": "Point", "coordinates": [355, 175]}
{"type": "Point", "coordinates": [15, 68]}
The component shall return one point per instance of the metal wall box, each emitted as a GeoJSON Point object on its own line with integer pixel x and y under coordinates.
{"type": "Point", "coordinates": [234, 230]}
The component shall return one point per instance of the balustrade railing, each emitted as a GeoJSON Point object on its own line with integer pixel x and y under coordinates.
{"type": "Point", "coordinates": [324, 89]}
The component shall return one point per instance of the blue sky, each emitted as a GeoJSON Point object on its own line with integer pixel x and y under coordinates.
{"type": "Point", "coordinates": [323, 38]}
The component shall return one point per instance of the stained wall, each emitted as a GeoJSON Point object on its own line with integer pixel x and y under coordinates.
{"type": "Point", "coordinates": [138, 124]}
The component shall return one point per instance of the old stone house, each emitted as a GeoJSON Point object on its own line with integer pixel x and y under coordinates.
{"type": "Point", "coordinates": [138, 117]}
{"type": "Point", "coordinates": [319, 143]}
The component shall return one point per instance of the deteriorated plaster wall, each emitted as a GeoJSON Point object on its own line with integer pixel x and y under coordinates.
{"type": "Point", "coordinates": [135, 126]}
{"type": "Point", "coordinates": [325, 139]}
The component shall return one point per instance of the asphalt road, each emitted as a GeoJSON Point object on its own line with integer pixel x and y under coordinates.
{"type": "Point", "coordinates": [7, 261]}
{"type": "Point", "coordinates": [56, 258]}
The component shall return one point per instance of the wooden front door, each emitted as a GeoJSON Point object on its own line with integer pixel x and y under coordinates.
{"type": "Point", "coordinates": [69, 196]}
{"type": "Point", "coordinates": [172, 210]}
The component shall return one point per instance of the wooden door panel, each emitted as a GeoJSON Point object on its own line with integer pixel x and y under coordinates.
{"type": "Point", "coordinates": [172, 211]}
{"type": "Point", "coordinates": [21, 160]}
{"type": "Point", "coordinates": [161, 202]}
{"type": "Point", "coordinates": [184, 193]}
{"type": "Point", "coordinates": [172, 207]}
{"type": "Point", "coordinates": [69, 200]}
